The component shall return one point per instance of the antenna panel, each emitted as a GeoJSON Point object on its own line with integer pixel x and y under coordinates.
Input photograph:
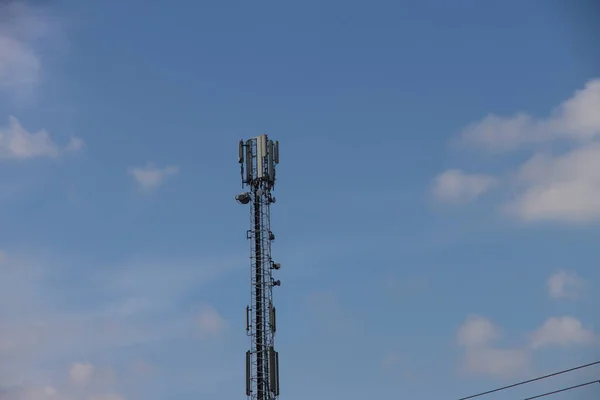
{"type": "Point", "coordinates": [276, 152]}
{"type": "Point", "coordinates": [270, 161]}
{"type": "Point", "coordinates": [274, 371]}
{"type": "Point", "coordinates": [248, 374]}
{"type": "Point", "coordinates": [249, 168]}
{"type": "Point", "coordinates": [261, 153]}
{"type": "Point", "coordinates": [273, 318]}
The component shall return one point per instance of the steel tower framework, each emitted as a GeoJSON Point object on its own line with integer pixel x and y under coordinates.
{"type": "Point", "coordinates": [258, 158]}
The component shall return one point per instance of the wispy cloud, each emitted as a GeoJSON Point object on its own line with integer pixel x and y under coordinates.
{"type": "Point", "coordinates": [565, 285]}
{"type": "Point", "coordinates": [209, 321]}
{"type": "Point", "coordinates": [20, 66]}
{"type": "Point", "coordinates": [81, 381]}
{"type": "Point", "coordinates": [46, 321]}
{"type": "Point", "coordinates": [455, 186]}
{"type": "Point", "coordinates": [81, 374]}
{"type": "Point", "coordinates": [477, 336]}
{"type": "Point", "coordinates": [22, 30]}
{"type": "Point", "coordinates": [400, 366]}
{"type": "Point", "coordinates": [16, 143]}
{"type": "Point", "coordinates": [150, 177]}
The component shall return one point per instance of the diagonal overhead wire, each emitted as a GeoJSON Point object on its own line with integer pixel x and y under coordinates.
{"type": "Point", "coordinates": [562, 390]}
{"type": "Point", "coordinates": [530, 381]}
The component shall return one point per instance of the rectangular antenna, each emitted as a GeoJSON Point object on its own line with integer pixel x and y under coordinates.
{"type": "Point", "coordinates": [273, 318]}
{"type": "Point", "coordinates": [248, 374]}
{"type": "Point", "coordinates": [247, 318]}
{"type": "Point", "coordinates": [274, 371]}
{"type": "Point", "coordinates": [276, 152]}
{"type": "Point", "coordinates": [241, 152]}
{"type": "Point", "coordinates": [277, 374]}
{"type": "Point", "coordinates": [249, 161]}
{"type": "Point", "coordinates": [270, 161]}
{"type": "Point", "coordinates": [261, 153]}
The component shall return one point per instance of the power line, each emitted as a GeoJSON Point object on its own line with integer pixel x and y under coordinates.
{"type": "Point", "coordinates": [530, 381]}
{"type": "Point", "coordinates": [562, 390]}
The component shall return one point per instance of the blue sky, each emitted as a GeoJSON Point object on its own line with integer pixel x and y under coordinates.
{"type": "Point", "coordinates": [437, 202]}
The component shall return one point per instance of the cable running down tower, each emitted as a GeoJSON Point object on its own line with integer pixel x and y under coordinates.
{"type": "Point", "coordinates": [258, 157]}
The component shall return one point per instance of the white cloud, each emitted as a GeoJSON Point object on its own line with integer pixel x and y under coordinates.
{"type": "Point", "coordinates": [209, 321]}
{"type": "Point", "coordinates": [107, 397]}
{"type": "Point", "coordinates": [560, 188]}
{"type": "Point", "coordinates": [456, 186]}
{"type": "Point", "coordinates": [565, 285]}
{"type": "Point", "coordinates": [476, 336]}
{"type": "Point", "coordinates": [151, 177]}
{"type": "Point", "coordinates": [477, 331]}
{"type": "Point", "coordinates": [75, 144]}
{"type": "Point", "coordinates": [18, 144]}
{"type": "Point", "coordinates": [22, 29]}
{"type": "Point", "coordinates": [496, 362]}
{"type": "Point", "coordinates": [33, 393]}
{"type": "Point", "coordinates": [142, 368]}
{"type": "Point", "coordinates": [562, 331]}
{"type": "Point", "coordinates": [19, 65]}
{"type": "Point", "coordinates": [548, 187]}
{"type": "Point", "coordinates": [81, 374]}
{"type": "Point", "coordinates": [575, 119]}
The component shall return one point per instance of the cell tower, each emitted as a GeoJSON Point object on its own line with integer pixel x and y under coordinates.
{"type": "Point", "coordinates": [258, 157]}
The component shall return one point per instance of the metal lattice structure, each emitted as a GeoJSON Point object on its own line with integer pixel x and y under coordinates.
{"type": "Point", "coordinates": [258, 158]}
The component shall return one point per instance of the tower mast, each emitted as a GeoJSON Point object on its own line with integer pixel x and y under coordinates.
{"type": "Point", "coordinates": [258, 158]}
